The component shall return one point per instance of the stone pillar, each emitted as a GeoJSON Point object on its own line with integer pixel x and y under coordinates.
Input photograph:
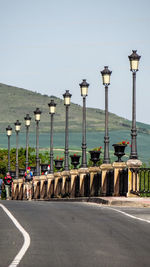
{"type": "Point", "coordinates": [20, 183]}
{"type": "Point", "coordinates": [42, 179]}
{"type": "Point", "coordinates": [15, 183]}
{"type": "Point", "coordinates": [93, 170]}
{"type": "Point", "coordinates": [82, 172]}
{"type": "Point", "coordinates": [35, 181]}
{"type": "Point", "coordinates": [73, 174]}
{"type": "Point", "coordinates": [50, 178]}
{"type": "Point", "coordinates": [104, 168]}
{"type": "Point", "coordinates": [118, 166]}
{"type": "Point", "coordinates": [134, 164]}
{"type": "Point", "coordinates": [64, 175]}
{"type": "Point", "coordinates": [57, 176]}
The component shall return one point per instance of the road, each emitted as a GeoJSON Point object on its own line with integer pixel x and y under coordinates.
{"type": "Point", "coordinates": [75, 234]}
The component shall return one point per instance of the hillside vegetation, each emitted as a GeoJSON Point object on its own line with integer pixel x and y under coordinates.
{"type": "Point", "coordinates": [15, 103]}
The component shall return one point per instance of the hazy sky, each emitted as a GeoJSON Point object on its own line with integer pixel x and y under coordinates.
{"type": "Point", "coordinates": [49, 46]}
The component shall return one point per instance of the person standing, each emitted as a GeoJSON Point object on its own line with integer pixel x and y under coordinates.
{"type": "Point", "coordinates": [28, 182]}
{"type": "Point", "coordinates": [7, 183]}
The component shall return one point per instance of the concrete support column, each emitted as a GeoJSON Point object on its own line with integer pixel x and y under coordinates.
{"type": "Point", "coordinates": [82, 172]}
{"type": "Point", "coordinates": [93, 170]}
{"type": "Point", "coordinates": [104, 168]}
{"type": "Point", "coordinates": [57, 176]}
{"type": "Point", "coordinates": [73, 174]}
{"type": "Point", "coordinates": [15, 183]}
{"type": "Point", "coordinates": [118, 166]}
{"type": "Point", "coordinates": [20, 184]}
{"type": "Point", "coordinates": [42, 179]}
{"type": "Point", "coordinates": [50, 178]}
{"type": "Point", "coordinates": [65, 174]}
{"type": "Point", "coordinates": [133, 177]}
{"type": "Point", "coordinates": [36, 180]}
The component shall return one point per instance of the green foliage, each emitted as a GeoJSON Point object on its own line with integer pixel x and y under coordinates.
{"type": "Point", "coordinates": [99, 148]}
{"type": "Point", "coordinates": [21, 159]}
{"type": "Point", "coordinates": [90, 163]}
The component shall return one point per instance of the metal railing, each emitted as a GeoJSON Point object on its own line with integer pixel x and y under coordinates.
{"type": "Point", "coordinates": [140, 181]}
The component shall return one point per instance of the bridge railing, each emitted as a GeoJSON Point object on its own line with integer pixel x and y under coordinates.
{"type": "Point", "coordinates": [118, 180]}
{"type": "Point", "coordinates": [140, 181]}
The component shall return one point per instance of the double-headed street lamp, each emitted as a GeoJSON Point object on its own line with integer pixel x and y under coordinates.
{"type": "Point", "coordinates": [17, 129]}
{"type": "Point", "coordinates": [106, 81]}
{"type": "Point", "coordinates": [134, 62]}
{"type": "Point", "coordinates": [9, 132]}
{"type": "Point", "coordinates": [67, 97]}
{"type": "Point", "coordinates": [27, 123]}
{"type": "Point", "coordinates": [84, 92]}
{"type": "Point", "coordinates": [37, 114]}
{"type": "Point", "coordinates": [52, 108]}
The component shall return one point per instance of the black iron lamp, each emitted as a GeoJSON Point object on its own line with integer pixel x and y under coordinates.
{"type": "Point", "coordinates": [106, 73]}
{"type": "Point", "coordinates": [9, 133]}
{"type": "Point", "coordinates": [37, 114]}
{"type": "Point", "coordinates": [67, 98]}
{"type": "Point", "coordinates": [84, 92]}
{"type": "Point", "coordinates": [17, 129]}
{"type": "Point", "coordinates": [134, 59]}
{"type": "Point", "coordinates": [52, 109]}
{"type": "Point", "coordinates": [27, 123]}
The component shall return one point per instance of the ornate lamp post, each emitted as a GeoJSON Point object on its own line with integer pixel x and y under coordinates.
{"type": "Point", "coordinates": [9, 132]}
{"type": "Point", "coordinates": [67, 97]}
{"type": "Point", "coordinates": [37, 114]}
{"type": "Point", "coordinates": [84, 92]}
{"type": "Point", "coordinates": [52, 108]}
{"type": "Point", "coordinates": [27, 123]}
{"type": "Point", "coordinates": [134, 62]}
{"type": "Point", "coordinates": [106, 81]}
{"type": "Point", "coordinates": [17, 129]}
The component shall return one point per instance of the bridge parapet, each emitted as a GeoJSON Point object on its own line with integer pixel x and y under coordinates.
{"type": "Point", "coordinates": [133, 176]}
{"type": "Point", "coordinates": [117, 166]}
{"type": "Point", "coordinates": [115, 179]}
{"type": "Point", "coordinates": [105, 168]}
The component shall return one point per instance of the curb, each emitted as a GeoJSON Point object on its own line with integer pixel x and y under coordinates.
{"type": "Point", "coordinates": [99, 200]}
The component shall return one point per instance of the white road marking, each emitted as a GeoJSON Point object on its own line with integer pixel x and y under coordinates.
{"type": "Point", "coordinates": [129, 215]}
{"type": "Point", "coordinates": [26, 236]}
{"type": "Point", "coordinates": [124, 213]}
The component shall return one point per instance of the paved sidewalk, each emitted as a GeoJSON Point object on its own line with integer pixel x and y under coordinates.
{"type": "Point", "coordinates": [111, 201]}
{"type": "Point", "coordinates": [123, 201]}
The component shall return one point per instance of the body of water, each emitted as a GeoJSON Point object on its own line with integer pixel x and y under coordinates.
{"type": "Point", "coordinates": [94, 139]}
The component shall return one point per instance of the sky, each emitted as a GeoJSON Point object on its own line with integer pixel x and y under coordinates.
{"type": "Point", "coordinates": [49, 46]}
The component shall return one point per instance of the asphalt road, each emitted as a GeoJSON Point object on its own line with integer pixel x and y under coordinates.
{"type": "Point", "coordinates": [75, 234]}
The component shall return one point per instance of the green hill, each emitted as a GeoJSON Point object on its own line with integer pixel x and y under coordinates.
{"type": "Point", "coordinates": [15, 103]}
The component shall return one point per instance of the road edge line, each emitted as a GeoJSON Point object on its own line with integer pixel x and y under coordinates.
{"type": "Point", "coordinates": [129, 215]}
{"type": "Point", "coordinates": [26, 236]}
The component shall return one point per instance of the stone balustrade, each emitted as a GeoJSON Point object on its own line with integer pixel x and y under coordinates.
{"type": "Point", "coordinates": [92, 181]}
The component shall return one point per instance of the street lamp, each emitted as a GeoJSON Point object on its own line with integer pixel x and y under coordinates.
{"type": "Point", "coordinates": [84, 92]}
{"type": "Point", "coordinates": [67, 97]}
{"type": "Point", "coordinates": [9, 132]}
{"type": "Point", "coordinates": [52, 108]}
{"type": "Point", "coordinates": [106, 81]}
{"type": "Point", "coordinates": [37, 114]}
{"type": "Point", "coordinates": [134, 62]}
{"type": "Point", "coordinates": [27, 123]}
{"type": "Point", "coordinates": [17, 129]}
